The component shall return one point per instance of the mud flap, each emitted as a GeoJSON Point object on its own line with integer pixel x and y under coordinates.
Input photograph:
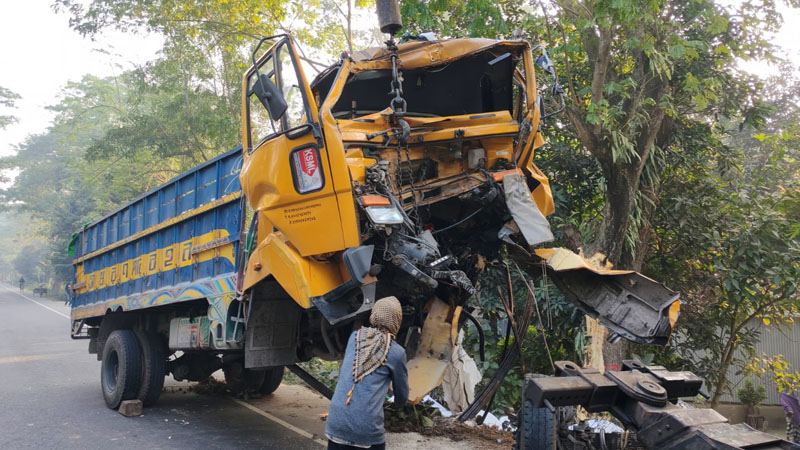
{"type": "Point", "coordinates": [628, 303]}
{"type": "Point", "coordinates": [272, 333]}
{"type": "Point", "coordinates": [426, 369]}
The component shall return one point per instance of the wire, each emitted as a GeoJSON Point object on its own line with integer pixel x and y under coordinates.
{"type": "Point", "coordinates": [460, 221]}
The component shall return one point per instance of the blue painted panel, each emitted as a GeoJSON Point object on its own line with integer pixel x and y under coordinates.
{"type": "Point", "coordinates": [201, 185]}
{"type": "Point", "coordinates": [168, 202]}
{"type": "Point", "coordinates": [151, 210]}
{"type": "Point", "coordinates": [113, 224]}
{"type": "Point", "coordinates": [186, 193]}
{"type": "Point", "coordinates": [137, 209]}
{"type": "Point", "coordinates": [101, 235]}
{"type": "Point", "coordinates": [125, 224]}
{"type": "Point", "coordinates": [230, 168]}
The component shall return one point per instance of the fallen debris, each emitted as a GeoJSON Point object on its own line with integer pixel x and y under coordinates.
{"type": "Point", "coordinates": [427, 419]}
{"type": "Point", "coordinates": [210, 386]}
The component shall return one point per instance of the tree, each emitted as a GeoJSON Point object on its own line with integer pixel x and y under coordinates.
{"type": "Point", "coordinates": [7, 98]}
{"type": "Point", "coordinates": [729, 237]}
{"type": "Point", "coordinates": [30, 263]}
{"type": "Point", "coordinates": [58, 190]}
{"type": "Point", "coordinates": [639, 75]}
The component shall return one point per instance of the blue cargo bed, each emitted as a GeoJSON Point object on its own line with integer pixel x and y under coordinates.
{"type": "Point", "coordinates": [177, 242]}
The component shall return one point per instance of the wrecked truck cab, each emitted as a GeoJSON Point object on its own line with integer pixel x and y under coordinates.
{"type": "Point", "coordinates": [360, 195]}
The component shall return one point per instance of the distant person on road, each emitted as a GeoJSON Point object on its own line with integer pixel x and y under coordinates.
{"type": "Point", "coordinates": [791, 407]}
{"type": "Point", "coordinates": [372, 360]}
{"type": "Point", "coordinates": [21, 283]}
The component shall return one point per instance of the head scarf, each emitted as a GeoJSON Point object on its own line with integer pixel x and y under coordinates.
{"type": "Point", "coordinates": [373, 343]}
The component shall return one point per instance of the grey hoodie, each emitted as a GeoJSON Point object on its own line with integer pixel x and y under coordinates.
{"type": "Point", "coordinates": [361, 422]}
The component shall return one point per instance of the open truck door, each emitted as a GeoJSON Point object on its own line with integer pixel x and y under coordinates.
{"type": "Point", "coordinates": [287, 175]}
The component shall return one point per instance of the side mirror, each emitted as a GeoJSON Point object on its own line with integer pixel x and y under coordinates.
{"type": "Point", "coordinates": [270, 96]}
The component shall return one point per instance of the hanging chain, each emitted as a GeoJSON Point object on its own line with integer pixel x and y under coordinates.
{"type": "Point", "coordinates": [397, 103]}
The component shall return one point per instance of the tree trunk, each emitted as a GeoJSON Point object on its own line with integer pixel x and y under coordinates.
{"type": "Point", "coordinates": [621, 184]}
{"type": "Point", "coordinates": [727, 357]}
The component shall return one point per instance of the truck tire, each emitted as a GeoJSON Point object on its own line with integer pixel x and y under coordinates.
{"type": "Point", "coordinates": [242, 381]}
{"type": "Point", "coordinates": [153, 367]}
{"type": "Point", "coordinates": [121, 368]}
{"type": "Point", "coordinates": [536, 429]}
{"type": "Point", "coordinates": [272, 379]}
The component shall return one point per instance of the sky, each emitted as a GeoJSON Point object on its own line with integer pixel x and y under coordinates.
{"type": "Point", "coordinates": [39, 54]}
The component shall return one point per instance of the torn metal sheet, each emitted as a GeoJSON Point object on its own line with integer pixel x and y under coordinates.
{"type": "Point", "coordinates": [426, 369]}
{"type": "Point", "coordinates": [529, 219]}
{"type": "Point", "coordinates": [628, 303]}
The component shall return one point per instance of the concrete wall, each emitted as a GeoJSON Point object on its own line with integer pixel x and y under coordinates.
{"type": "Point", "coordinates": [773, 415]}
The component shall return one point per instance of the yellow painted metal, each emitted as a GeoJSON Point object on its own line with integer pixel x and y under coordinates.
{"type": "Point", "coordinates": [426, 368]}
{"type": "Point", "coordinates": [418, 54]}
{"type": "Point", "coordinates": [294, 227]}
{"type": "Point", "coordinates": [338, 164]}
{"type": "Point", "coordinates": [561, 259]}
{"type": "Point", "coordinates": [310, 221]}
{"type": "Point", "coordinates": [300, 277]}
{"type": "Point", "coordinates": [674, 312]}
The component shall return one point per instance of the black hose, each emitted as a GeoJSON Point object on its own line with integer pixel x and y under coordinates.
{"type": "Point", "coordinates": [470, 216]}
{"type": "Point", "coordinates": [481, 339]}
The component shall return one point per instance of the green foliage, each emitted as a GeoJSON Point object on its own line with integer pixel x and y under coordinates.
{"type": "Point", "coordinates": [325, 371]}
{"type": "Point", "coordinates": [729, 239]}
{"type": "Point", "coordinates": [776, 369]}
{"type": "Point", "coordinates": [750, 395]}
{"type": "Point", "coordinates": [30, 263]}
{"type": "Point", "coordinates": [561, 326]}
{"type": "Point", "coordinates": [60, 190]}
{"type": "Point", "coordinates": [7, 98]}
{"type": "Point", "coordinates": [640, 75]}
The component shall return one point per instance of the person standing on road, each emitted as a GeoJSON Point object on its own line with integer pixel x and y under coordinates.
{"type": "Point", "coordinates": [791, 407]}
{"type": "Point", "coordinates": [21, 282]}
{"type": "Point", "coordinates": [372, 359]}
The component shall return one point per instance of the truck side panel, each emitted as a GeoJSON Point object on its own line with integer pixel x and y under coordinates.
{"type": "Point", "coordinates": [177, 242]}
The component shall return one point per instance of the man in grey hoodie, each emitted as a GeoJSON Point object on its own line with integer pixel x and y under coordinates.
{"type": "Point", "coordinates": [791, 408]}
{"type": "Point", "coordinates": [371, 361]}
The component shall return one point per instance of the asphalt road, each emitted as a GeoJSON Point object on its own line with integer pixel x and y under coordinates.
{"type": "Point", "coordinates": [50, 396]}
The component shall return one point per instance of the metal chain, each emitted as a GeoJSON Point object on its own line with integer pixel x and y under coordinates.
{"type": "Point", "coordinates": [398, 103]}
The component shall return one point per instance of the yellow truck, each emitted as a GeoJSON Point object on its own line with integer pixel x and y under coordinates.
{"type": "Point", "coordinates": [341, 194]}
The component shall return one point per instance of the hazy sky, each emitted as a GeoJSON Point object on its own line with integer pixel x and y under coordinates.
{"type": "Point", "coordinates": [39, 53]}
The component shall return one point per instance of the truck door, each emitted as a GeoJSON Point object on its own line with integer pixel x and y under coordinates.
{"type": "Point", "coordinates": [286, 173]}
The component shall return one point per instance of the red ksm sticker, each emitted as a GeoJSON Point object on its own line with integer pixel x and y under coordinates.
{"type": "Point", "coordinates": [308, 174]}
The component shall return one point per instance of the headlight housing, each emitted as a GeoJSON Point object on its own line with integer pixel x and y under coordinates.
{"type": "Point", "coordinates": [384, 215]}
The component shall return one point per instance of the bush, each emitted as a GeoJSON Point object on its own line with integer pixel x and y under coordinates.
{"type": "Point", "coordinates": [750, 395]}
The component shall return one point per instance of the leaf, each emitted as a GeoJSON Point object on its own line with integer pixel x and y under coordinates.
{"type": "Point", "coordinates": [426, 421]}
{"type": "Point", "coordinates": [676, 51]}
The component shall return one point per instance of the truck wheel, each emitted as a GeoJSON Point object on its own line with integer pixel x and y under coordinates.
{"type": "Point", "coordinates": [242, 381]}
{"type": "Point", "coordinates": [121, 368]}
{"type": "Point", "coordinates": [536, 428]}
{"type": "Point", "coordinates": [272, 379]}
{"type": "Point", "coordinates": [153, 367]}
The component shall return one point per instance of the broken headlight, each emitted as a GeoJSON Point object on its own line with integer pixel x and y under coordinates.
{"type": "Point", "coordinates": [384, 215]}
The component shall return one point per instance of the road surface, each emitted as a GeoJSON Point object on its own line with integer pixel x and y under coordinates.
{"type": "Point", "coordinates": [50, 397]}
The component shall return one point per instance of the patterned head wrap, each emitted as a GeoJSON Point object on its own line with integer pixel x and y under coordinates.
{"type": "Point", "coordinates": [373, 343]}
